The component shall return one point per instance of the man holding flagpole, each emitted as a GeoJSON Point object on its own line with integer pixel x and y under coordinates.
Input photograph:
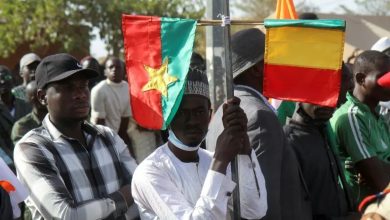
{"type": "Point", "coordinates": [287, 195]}
{"type": "Point", "coordinates": [180, 180]}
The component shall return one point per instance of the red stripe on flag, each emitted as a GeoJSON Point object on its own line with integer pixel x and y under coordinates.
{"type": "Point", "coordinates": [142, 43]}
{"type": "Point", "coordinates": [317, 86]}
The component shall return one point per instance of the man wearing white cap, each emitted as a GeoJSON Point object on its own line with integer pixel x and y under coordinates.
{"type": "Point", "coordinates": [180, 180]}
{"type": "Point", "coordinates": [28, 65]}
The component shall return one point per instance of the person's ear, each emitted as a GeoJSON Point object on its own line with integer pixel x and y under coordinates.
{"type": "Point", "coordinates": [360, 78]}
{"type": "Point", "coordinates": [42, 97]}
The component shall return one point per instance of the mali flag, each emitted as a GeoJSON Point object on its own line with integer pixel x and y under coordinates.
{"type": "Point", "coordinates": [303, 60]}
{"type": "Point", "coordinates": [157, 54]}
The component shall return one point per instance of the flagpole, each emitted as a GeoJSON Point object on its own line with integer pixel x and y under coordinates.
{"type": "Point", "coordinates": [225, 21]}
{"type": "Point", "coordinates": [232, 22]}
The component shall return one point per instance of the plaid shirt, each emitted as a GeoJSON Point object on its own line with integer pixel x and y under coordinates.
{"type": "Point", "coordinates": [69, 181]}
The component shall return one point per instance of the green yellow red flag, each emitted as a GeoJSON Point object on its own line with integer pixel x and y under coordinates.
{"type": "Point", "coordinates": [303, 60]}
{"type": "Point", "coordinates": [157, 54]}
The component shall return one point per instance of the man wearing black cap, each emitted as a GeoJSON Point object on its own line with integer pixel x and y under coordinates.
{"type": "Point", "coordinates": [180, 180]}
{"type": "Point", "coordinates": [287, 195]}
{"type": "Point", "coordinates": [72, 169]}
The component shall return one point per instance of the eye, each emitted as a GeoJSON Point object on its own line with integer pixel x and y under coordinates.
{"type": "Point", "coordinates": [200, 112]}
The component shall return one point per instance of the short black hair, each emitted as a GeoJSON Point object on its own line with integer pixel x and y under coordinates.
{"type": "Point", "coordinates": [197, 61]}
{"type": "Point", "coordinates": [368, 61]}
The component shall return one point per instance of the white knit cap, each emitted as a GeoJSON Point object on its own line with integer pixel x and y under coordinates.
{"type": "Point", "coordinates": [382, 44]}
{"type": "Point", "coordinates": [197, 83]}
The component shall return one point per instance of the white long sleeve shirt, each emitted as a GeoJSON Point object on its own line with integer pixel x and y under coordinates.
{"type": "Point", "coordinates": [164, 187]}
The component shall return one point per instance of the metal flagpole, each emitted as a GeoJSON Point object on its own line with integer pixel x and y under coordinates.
{"type": "Point", "coordinates": [232, 22]}
{"type": "Point", "coordinates": [230, 94]}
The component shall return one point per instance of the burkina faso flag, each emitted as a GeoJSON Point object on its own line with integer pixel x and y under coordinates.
{"type": "Point", "coordinates": [157, 54]}
{"type": "Point", "coordinates": [303, 60]}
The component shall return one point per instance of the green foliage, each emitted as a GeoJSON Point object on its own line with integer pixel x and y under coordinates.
{"type": "Point", "coordinates": [70, 22]}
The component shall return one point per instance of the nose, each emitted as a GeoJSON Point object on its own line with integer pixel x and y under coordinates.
{"type": "Point", "coordinates": [192, 118]}
{"type": "Point", "coordinates": [81, 93]}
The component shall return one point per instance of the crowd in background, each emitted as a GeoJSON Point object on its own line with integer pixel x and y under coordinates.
{"type": "Point", "coordinates": [311, 162]}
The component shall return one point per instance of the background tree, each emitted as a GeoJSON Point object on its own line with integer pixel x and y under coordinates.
{"type": "Point", "coordinates": [70, 22]}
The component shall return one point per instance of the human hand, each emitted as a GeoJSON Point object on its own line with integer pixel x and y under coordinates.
{"type": "Point", "coordinates": [126, 193]}
{"type": "Point", "coordinates": [234, 115]}
{"type": "Point", "coordinates": [233, 140]}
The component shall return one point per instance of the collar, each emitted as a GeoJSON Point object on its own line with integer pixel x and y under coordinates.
{"type": "Point", "coordinates": [258, 94]}
{"type": "Point", "coordinates": [356, 101]}
{"type": "Point", "coordinates": [111, 83]}
{"type": "Point", "coordinates": [87, 128]}
{"type": "Point", "coordinates": [301, 117]}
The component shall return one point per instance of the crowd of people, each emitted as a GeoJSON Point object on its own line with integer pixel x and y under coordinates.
{"type": "Point", "coordinates": [67, 133]}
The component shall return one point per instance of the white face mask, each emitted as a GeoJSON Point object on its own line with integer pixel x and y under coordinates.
{"type": "Point", "coordinates": [175, 141]}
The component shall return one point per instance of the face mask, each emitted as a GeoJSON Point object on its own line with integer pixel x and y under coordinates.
{"type": "Point", "coordinates": [175, 141]}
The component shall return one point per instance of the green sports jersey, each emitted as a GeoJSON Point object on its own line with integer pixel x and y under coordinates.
{"type": "Point", "coordinates": [286, 111]}
{"type": "Point", "coordinates": [360, 135]}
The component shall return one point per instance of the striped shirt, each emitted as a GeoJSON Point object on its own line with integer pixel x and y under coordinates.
{"type": "Point", "coordinates": [360, 135]}
{"type": "Point", "coordinates": [69, 181]}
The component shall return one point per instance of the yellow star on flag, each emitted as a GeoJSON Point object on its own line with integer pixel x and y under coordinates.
{"type": "Point", "coordinates": [159, 78]}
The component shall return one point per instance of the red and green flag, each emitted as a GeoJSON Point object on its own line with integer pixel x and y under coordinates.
{"type": "Point", "coordinates": [157, 53]}
{"type": "Point", "coordinates": [303, 60]}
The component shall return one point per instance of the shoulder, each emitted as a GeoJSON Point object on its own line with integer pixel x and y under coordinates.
{"type": "Point", "coordinates": [33, 146]}
{"type": "Point", "coordinates": [153, 165]}
{"type": "Point", "coordinates": [106, 131]}
{"type": "Point", "coordinates": [124, 84]}
{"type": "Point", "coordinates": [203, 153]}
{"type": "Point", "coordinates": [24, 124]}
{"type": "Point", "coordinates": [347, 114]}
{"type": "Point", "coordinates": [100, 86]}
{"type": "Point", "coordinates": [25, 119]}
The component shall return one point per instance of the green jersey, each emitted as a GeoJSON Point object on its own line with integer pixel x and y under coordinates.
{"type": "Point", "coordinates": [360, 135]}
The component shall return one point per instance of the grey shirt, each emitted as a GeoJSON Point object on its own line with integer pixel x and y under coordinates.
{"type": "Point", "coordinates": [287, 197]}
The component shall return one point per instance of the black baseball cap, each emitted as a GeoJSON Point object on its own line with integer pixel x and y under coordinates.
{"type": "Point", "coordinates": [58, 67]}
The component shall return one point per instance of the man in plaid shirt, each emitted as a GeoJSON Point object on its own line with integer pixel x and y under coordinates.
{"type": "Point", "coordinates": [72, 169]}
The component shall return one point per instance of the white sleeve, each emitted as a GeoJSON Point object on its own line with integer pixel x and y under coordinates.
{"type": "Point", "coordinates": [253, 194]}
{"type": "Point", "coordinates": [157, 195]}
